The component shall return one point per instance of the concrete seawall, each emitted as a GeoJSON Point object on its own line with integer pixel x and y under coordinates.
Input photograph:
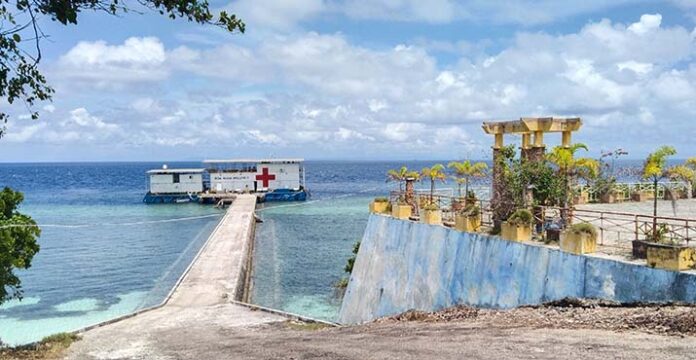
{"type": "Point", "coordinates": [404, 265]}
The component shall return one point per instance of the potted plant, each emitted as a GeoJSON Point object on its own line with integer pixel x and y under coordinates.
{"type": "Point", "coordinates": [640, 195]}
{"type": "Point", "coordinates": [463, 172]}
{"type": "Point", "coordinates": [431, 214]}
{"type": "Point", "coordinates": [579, 239]}
{"type": "Point", "coordinates": [518, 226]}
{"type": "Point", "coordinates": [582, 197]}
{"type": "Point", "coordinates": [380, 205]}
{"type": "Point", "coordinates": [469, 219]}
{"type": "Point", "coordinates": [401, 210]}
{"type": "Point", "coordinates": [664, 253]}
{"type": "Point", "coordinates": [610, 196]}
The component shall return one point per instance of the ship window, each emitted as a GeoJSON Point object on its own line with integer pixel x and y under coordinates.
{"type": "Point", "coordinates": [176, 178]}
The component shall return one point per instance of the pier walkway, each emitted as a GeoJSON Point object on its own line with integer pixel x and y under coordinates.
{"type": "Point", "coordinates": [199, 310]}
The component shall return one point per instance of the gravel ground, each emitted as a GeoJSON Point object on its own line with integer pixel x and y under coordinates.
{"type": "Point", "coordinates": [459, 333]}
{"type": "Point", "coordinates": [572, 314]}
{"type": "Point", "coordinates": [685, 208]}
{"type": "Point", "coordinates": [572, 330]}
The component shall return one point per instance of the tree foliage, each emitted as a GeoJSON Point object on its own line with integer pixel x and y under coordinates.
{"type": "Point", "coordinates": [18, 234]}
{"type": "Point", "coordinates": [571, 168]}
{"type": "Point", "coordinates": [20, 34]}
{"type": "Point", "coordinates": [655, 166]}
{"type": "Point", "coordinates": [401, 175]}
{"type": "Point", "coordinates": [464, 171]}
{"type": "Point", "coordinates": [434, 173]}
{"type": "Point", "coordinates": [655, 169]}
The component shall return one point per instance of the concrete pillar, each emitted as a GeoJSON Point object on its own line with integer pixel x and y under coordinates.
{"type": "Point", "coordinates": [565, 142]}
{"type": "Point", "coordinates": [538, 139]}
{"type": "Point", "coordinates": [496, 188]}
{"type": "Point", "coordinates": [526, 145]}
{"type": "Point", "coordinates": [538, 149]}
{"type": "Point", "coordinates": [499, 143]}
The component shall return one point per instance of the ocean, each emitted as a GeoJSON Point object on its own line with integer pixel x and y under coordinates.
{"type": "Point", "coordinates": [105, 254]}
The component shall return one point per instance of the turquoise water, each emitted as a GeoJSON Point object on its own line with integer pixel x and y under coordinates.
{"type": "Point", "coordinates": [300, 253]}
{"type": "Point", "coordinates": [87, 274]}
{"type": "Point", "coordinates": [103, 253]}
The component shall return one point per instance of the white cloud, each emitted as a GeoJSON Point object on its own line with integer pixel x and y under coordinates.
{"type": "Point", "coordinates": [136, 60]}
{"type": "Point", "coordinates": [648, 22]}
{"type": "Point", "coordinates": [636, 67]}
{"type": "Point", "coordinates": [276, 14]}
{"type": "Point", "coordinates": [324, 94]}
{"type": "Point", "coordinates": [81, 118]}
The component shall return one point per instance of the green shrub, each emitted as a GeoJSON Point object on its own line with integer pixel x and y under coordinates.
{"type": "Point", "coordinates": [471, 210]}
{"type": "Point", "coordinates": [521, 217]}
{"type": "Point", "coordinates": [431, 207]}
{"type": "Point", "coordinates": [584, 228]}
{"type": "Point", "coordinates": [342, 283]}
{"type": "Point", "coordinates": [381, 199]}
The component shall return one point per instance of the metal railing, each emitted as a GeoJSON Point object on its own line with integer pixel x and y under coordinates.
{"type": "Point", "coordinates": [624, 191]}
{"type": "Point", "coordinates": [616, 230]}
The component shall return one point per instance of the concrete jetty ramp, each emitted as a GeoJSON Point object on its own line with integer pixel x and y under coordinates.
{"type": "Point", "coordinates": [199, 310]}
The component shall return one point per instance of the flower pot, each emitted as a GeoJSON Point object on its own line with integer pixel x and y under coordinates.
{"type": "Point", "coordinates": [609, 198]}
{"type": "Point", "coordinates": [641, 196]}
{"type": "Point", "coordinates": [578, 243]}
{"type": "Point", "coordinates": [433, 217]}
{"type": "Point", "coordinates": [458, 205]}
{"type": "Point", "coordinates": [640, 249]}
{"type": "Point", "coordinates": [671, 257]}
{"type": "Point", "coordinates": [401, 211]}
{"type": "Point", "coordinates": [582, 198]}
{"type": "Point", "coordinates": [379, 207]}
{"type": "Point", "coordinates": [467, 223]}
{"type": "Point", "coordinates": [514, 232]}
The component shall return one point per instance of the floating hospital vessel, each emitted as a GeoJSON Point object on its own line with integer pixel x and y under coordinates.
{"type": "Point", "coordinates": [270, 179]}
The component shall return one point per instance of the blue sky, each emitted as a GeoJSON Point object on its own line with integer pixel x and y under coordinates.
{"type": "Point", "coordinates": [382, 79]}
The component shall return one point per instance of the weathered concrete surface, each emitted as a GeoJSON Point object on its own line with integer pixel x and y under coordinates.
{"type": "Point", "coordinates": [685, 208]}
{"type": "Point", "coordinates": [423, 340]}
{"type": "Point", "coordinates": [404, 265]}
{"type": "Point", "coordinates": [198, 308]}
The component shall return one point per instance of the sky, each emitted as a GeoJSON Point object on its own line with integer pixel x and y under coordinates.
{"type": "Point", "coordinates": [361, 80]}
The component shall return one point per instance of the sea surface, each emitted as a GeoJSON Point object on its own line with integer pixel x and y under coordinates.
{"type": "Point", "coordinates": [105, 254]}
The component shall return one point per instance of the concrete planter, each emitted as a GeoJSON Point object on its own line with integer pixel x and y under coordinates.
{"type": "Point", "coordinates": [641, 196]}
{"type": "Point", "coordinates": [516, 233]}
{"type": "Point", "coordinates": [379, 207]}
{"type": "Point", "coordinates": [467, 223]}
{"type": "Point", "coordinates": [578, 243]}
{"type": "Point", "coordinates": [582, 198]}
{"type": "Point", "coordinates": [671, 257]}
{"type": "Point", "coordinates": [433, 217]}
{"type": "Point", "coordinates": [402, 212]}
{"type": "Point", "coordinates": [640, 249]}
{"type": "Point", "coordinates": [609, 198]}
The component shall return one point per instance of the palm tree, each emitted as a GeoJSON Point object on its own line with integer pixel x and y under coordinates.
{"type": "Point", "coordinates": [434, 173]}
{"type": "Point", "coordinates": [683, 173]}
{"type": "Point", "coordinates": [398, 176]}
{"type": "Point", "coordinates": [465, 170]}
{"type": "Point", "coordinates": [571, 169]}
{"type": "Point", "coordinates": [655, 169]}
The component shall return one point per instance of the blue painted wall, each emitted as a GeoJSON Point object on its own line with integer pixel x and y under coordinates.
{"type": "Point", "coordinates": [404, 265]}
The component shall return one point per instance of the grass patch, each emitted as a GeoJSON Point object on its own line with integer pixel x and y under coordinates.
{"type": "Point", "coordinates": [50, 347]}
{"type": "Point", "coordinates": [306, 326]}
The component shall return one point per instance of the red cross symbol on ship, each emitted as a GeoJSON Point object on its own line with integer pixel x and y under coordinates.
{"type": "Point", "coordinates": [265, 177]}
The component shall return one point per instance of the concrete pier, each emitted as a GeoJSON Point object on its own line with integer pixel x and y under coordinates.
{"type": "Point", "coordinates": [200, 307]}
